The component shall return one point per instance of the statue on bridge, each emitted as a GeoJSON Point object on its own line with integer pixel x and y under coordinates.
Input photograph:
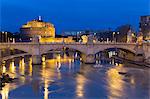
{"type": "Point", "coordinates": [140, 38]}
{"type": "Point", "coordinates": [139, 47]}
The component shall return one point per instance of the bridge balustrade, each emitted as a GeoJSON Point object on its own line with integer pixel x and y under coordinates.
{"type": "Point", "coordinates": [68, 43]}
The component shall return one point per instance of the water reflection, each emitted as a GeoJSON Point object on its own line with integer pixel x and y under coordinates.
{"type": "Point", "coordinates": [48, 74]}
{"type": "Point", "coordinates": [30, 67]}
{"type": "Point", "coordinates": [3, 69]}
{"type": "Point", "coordinates": [5, 92]}
{"type": "Point", "coordinates": [63, 76]}
{"type": "Point", "coordinates": [115, 83]}
{"type": "Point", "coordinates": [12, 69]}
{"type": "Point", "coordinates": [81, 80]}
{"type": "Point", "coordinates": [22, 67]}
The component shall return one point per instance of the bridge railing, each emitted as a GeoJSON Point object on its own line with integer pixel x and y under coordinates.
{"type": "Point", "coordinates": [74, 43]}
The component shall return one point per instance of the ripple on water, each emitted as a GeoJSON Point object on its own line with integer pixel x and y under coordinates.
{"type": "Point", "coordinates": [76, 81]}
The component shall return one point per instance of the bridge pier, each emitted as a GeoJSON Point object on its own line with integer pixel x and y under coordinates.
{"type": "Point", "coordinates": [0, 53]}
{"type": "Point", "coordinates": [36, 55]}
{"type": "Point", "coordinates": [147, 52]}
{"type": "Point", "coordinates": [139, 53]}
{"type": "Point", "coordinates": [88, 59]}
{"type": "Point", "coordinates": [147, 57]}
{"type": "Point", "coordinates": [139, 58]}
{"type": "Point", "coordinates": [36, 59]}
{"type": "Point", "coordinates": [147, 60]}
{"type": "Point", "coordinates": [6, 52]}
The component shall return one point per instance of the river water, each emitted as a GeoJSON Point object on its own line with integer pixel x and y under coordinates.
{"type": "Point", "coordinates": [68, 78]}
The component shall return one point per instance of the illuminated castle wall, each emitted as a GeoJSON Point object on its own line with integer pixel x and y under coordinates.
{"type": "Point", "coordinates": [57, 40]}
{"type": "Point", "coordinates": [45, 30]}
{"type": "Point", "coordinates": [38, 27]}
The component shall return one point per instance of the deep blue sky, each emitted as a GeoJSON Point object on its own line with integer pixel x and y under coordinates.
{"type": "Point", "coordinates": [73, 14]}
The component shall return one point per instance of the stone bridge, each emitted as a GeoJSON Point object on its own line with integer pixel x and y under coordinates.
{"type": "Point", "coordinates": [88, 51]}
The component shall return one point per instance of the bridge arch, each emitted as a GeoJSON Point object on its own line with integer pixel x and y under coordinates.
{"type": "Point", "coordinates": [20, 48]}
{"type": "Point", "coordinates": [45, 49]}
{"type": "Point", "coordinates": [116, 49]}
{"type": "Point", "coordinates": [127, 49]}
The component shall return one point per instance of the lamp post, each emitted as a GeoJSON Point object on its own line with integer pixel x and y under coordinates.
{"type": "Point", "coordinates": [3, 36]}
{"type": "Point", "coordinates": [101, 39]}
{"type": "Point", "coordinates": [77, 37]}
{"type": "Point", "coordinates": [19, 39]}
{"type": "Point", "coordinates": [114, 36]}
{"type": "Point", "coordinates": [6, 37]}
{"type": "Point", "coordinates": [13, 40]}
{"type": "Point", "coordinates": [117, 35]}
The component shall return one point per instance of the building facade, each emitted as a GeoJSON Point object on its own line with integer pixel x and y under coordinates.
{"type": "Point", "coordinates": [145, 27]}
{"type": "Point", "coordinates": [131, 37]}
{"type": "Point", "coordinates": [6, 36]}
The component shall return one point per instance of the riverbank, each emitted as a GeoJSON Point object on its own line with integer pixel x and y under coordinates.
{"type": "Point", "coordinates": [138, 63]}
{"type": "Point", "coordinates": [11, 57]}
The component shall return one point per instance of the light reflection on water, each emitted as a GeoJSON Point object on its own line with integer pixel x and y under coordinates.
{"type": "Point", "coordinates": [115, 83]}
{"type": "Point", "coordinates": [63, 77]}
{"type": "Point", "coordinates": [81, 80]}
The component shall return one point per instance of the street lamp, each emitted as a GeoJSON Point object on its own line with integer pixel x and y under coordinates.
{"type": "Point", "coordinates": [20, 39]}
{"type": "Point", "coordinates": [114, 36]}
{"type": "Point", "coordinates": [117, 36]}
{"type": "Point", "coordinates": [6, 37]}
{"type": "Point", "coordinates": [13, 40]}
{"type": "Point", "coordinates": [10, 40]}
{"type": "Point", "coordinates": [101, 39]}
{"type": "Point", "coordinates": [30, 39]}
{"type": "Point", "coordinates": [3, 36]}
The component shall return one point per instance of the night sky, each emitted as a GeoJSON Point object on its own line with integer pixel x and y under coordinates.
{"type": "Point", "coordinates": [73, 14]}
